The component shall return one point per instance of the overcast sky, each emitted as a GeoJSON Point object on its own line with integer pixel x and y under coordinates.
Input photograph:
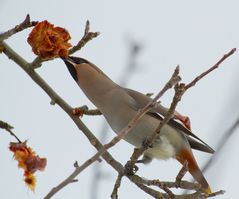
{"type": "Point", "coordinates": [194, 34]}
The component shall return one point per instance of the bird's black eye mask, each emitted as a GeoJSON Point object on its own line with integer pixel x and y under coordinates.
{"type": "Point", "coordinates": [71, 69]}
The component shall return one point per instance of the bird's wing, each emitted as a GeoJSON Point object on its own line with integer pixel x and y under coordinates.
{"type": "Point", "coordinates": [192, 138]}
{"type": "Point", "coordinates": [141, 100]}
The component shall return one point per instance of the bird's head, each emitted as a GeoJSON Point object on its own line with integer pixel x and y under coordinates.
{"type": "Point", "coordinates": [71, 63]}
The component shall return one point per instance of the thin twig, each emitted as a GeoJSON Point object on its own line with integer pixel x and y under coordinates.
{"type": "Point", "coordinates": [221, 192]}
{"type": "Point", "coordinates": [224, 139]}
{"type": "Point", "coordinates": [84, 110]}
{"type": "Point", "coordinates": [161, 186]}
{"type": "Point", "coordinates": [85, 39]}
{"type": "Point", "coordinates": [143, 184]}
{"type": "Point", "coordinates": [114, 194]}
{"type": "Point", "coordinates": [182, 172]}
{"type": "Point", "coordinates": [14, 135]}
{"type": "Point", "coordinates": [193, 82]}
{"type": "Point", "coordinates": [8, 128]}
{"type": "Point", "coordinates": [37, 62]}
{"type": "Point", "coordinates": [152, 192]}
{"type": "Point", "coordinates": [183, 185]}
{"type": "Point", "coordinates": [69, 179]}
{"type": "Point", "coordinates": [27, 23]}
{"type": "Point", "coordinates": [5, 125]}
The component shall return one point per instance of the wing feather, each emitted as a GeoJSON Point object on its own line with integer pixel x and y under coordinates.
{"type": "Point", "coordinates": [159, 111]}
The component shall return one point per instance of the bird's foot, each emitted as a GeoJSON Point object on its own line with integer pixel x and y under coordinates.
{"type": "Point", "coordinates": [146, 143]}
{"type": "Point", "coordinates": [130, 168]}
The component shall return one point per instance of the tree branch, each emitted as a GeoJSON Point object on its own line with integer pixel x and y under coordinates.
{"type": "Point", "coordinates": [27, 23]}
{"type": "Point", "coordinates": [85, 39]}
{"type": "Point", "coordinates": [84, 110]}
{"type": "Point", "coordinates": [226, 136]}
{"type": "Point", "coordinates": [114, 194]}
{"type": "Point", "coordinates": [193, 82]}
{"type": "Point", "coordinates": [5, 125]}
{"type": "Point", "coordinates": [8, 128]}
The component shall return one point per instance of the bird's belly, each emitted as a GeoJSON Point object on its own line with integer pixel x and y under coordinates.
{"type": "Point", "coordinates": [162, 148]}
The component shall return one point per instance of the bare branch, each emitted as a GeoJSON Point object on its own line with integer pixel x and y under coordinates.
{"type": "Point", "coordinates": [22, 26]}
{"type": "Point", "coordinates": [143, 184]}
{"type": "Point", "coordinates": [152, 192]}
{"type": "Point", "coordinates": [37, 62]}
{"type": "Point", "coordinates": [161, 185]}
{"type": "Point", "coordinates": [69, 179]}
{"type": "Point", "coordinates": [9, 128]}
{"type": "Point", "coordinates": [84, 110]}
{"type": "Point", "coordinates": [5, 125]}
{"type": "Point", "coordinates": [221, 192]}
{"type": "Point", "coordinates": [182, 172]}
{"type": "Point", "coordinates": [114, 194]}
{"type": "Point", "coordinates": [226, 136]}
{"type": "Point", "coordinates": [85, 39]}
{"type": "Point", "coordinates": [192, 83]}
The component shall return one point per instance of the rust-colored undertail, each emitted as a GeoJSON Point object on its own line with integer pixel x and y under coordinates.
{"type": "Point", "coordinates": [194, 170]}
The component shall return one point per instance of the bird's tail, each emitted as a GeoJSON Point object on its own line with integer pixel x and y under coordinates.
{"type": "Point", "coordinates": [194, 170]}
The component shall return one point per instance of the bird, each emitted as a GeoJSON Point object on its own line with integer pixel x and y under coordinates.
{"type": "Point", "coordinates": [119, 105]}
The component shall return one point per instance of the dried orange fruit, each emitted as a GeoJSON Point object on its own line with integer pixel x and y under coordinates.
{"type": "Point", "coordinates": [48, 41]}
{"type": "Point", "coordinates": [29, 161]}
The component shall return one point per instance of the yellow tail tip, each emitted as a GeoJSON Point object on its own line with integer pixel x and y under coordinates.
{"type": "Point", "coordinates": [208, 190]}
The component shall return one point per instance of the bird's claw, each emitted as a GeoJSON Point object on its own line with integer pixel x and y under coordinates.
{"type": "Point", "coordinates": [130, 169]}
{"type": "Point", "coordinates": [146, 144]}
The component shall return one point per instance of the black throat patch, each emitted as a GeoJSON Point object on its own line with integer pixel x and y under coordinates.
{"type": "Point", "coordinates": [71, 69]}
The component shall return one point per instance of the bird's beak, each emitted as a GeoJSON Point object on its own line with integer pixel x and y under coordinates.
{"type": "Point", "coordinates": [71, 67]}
